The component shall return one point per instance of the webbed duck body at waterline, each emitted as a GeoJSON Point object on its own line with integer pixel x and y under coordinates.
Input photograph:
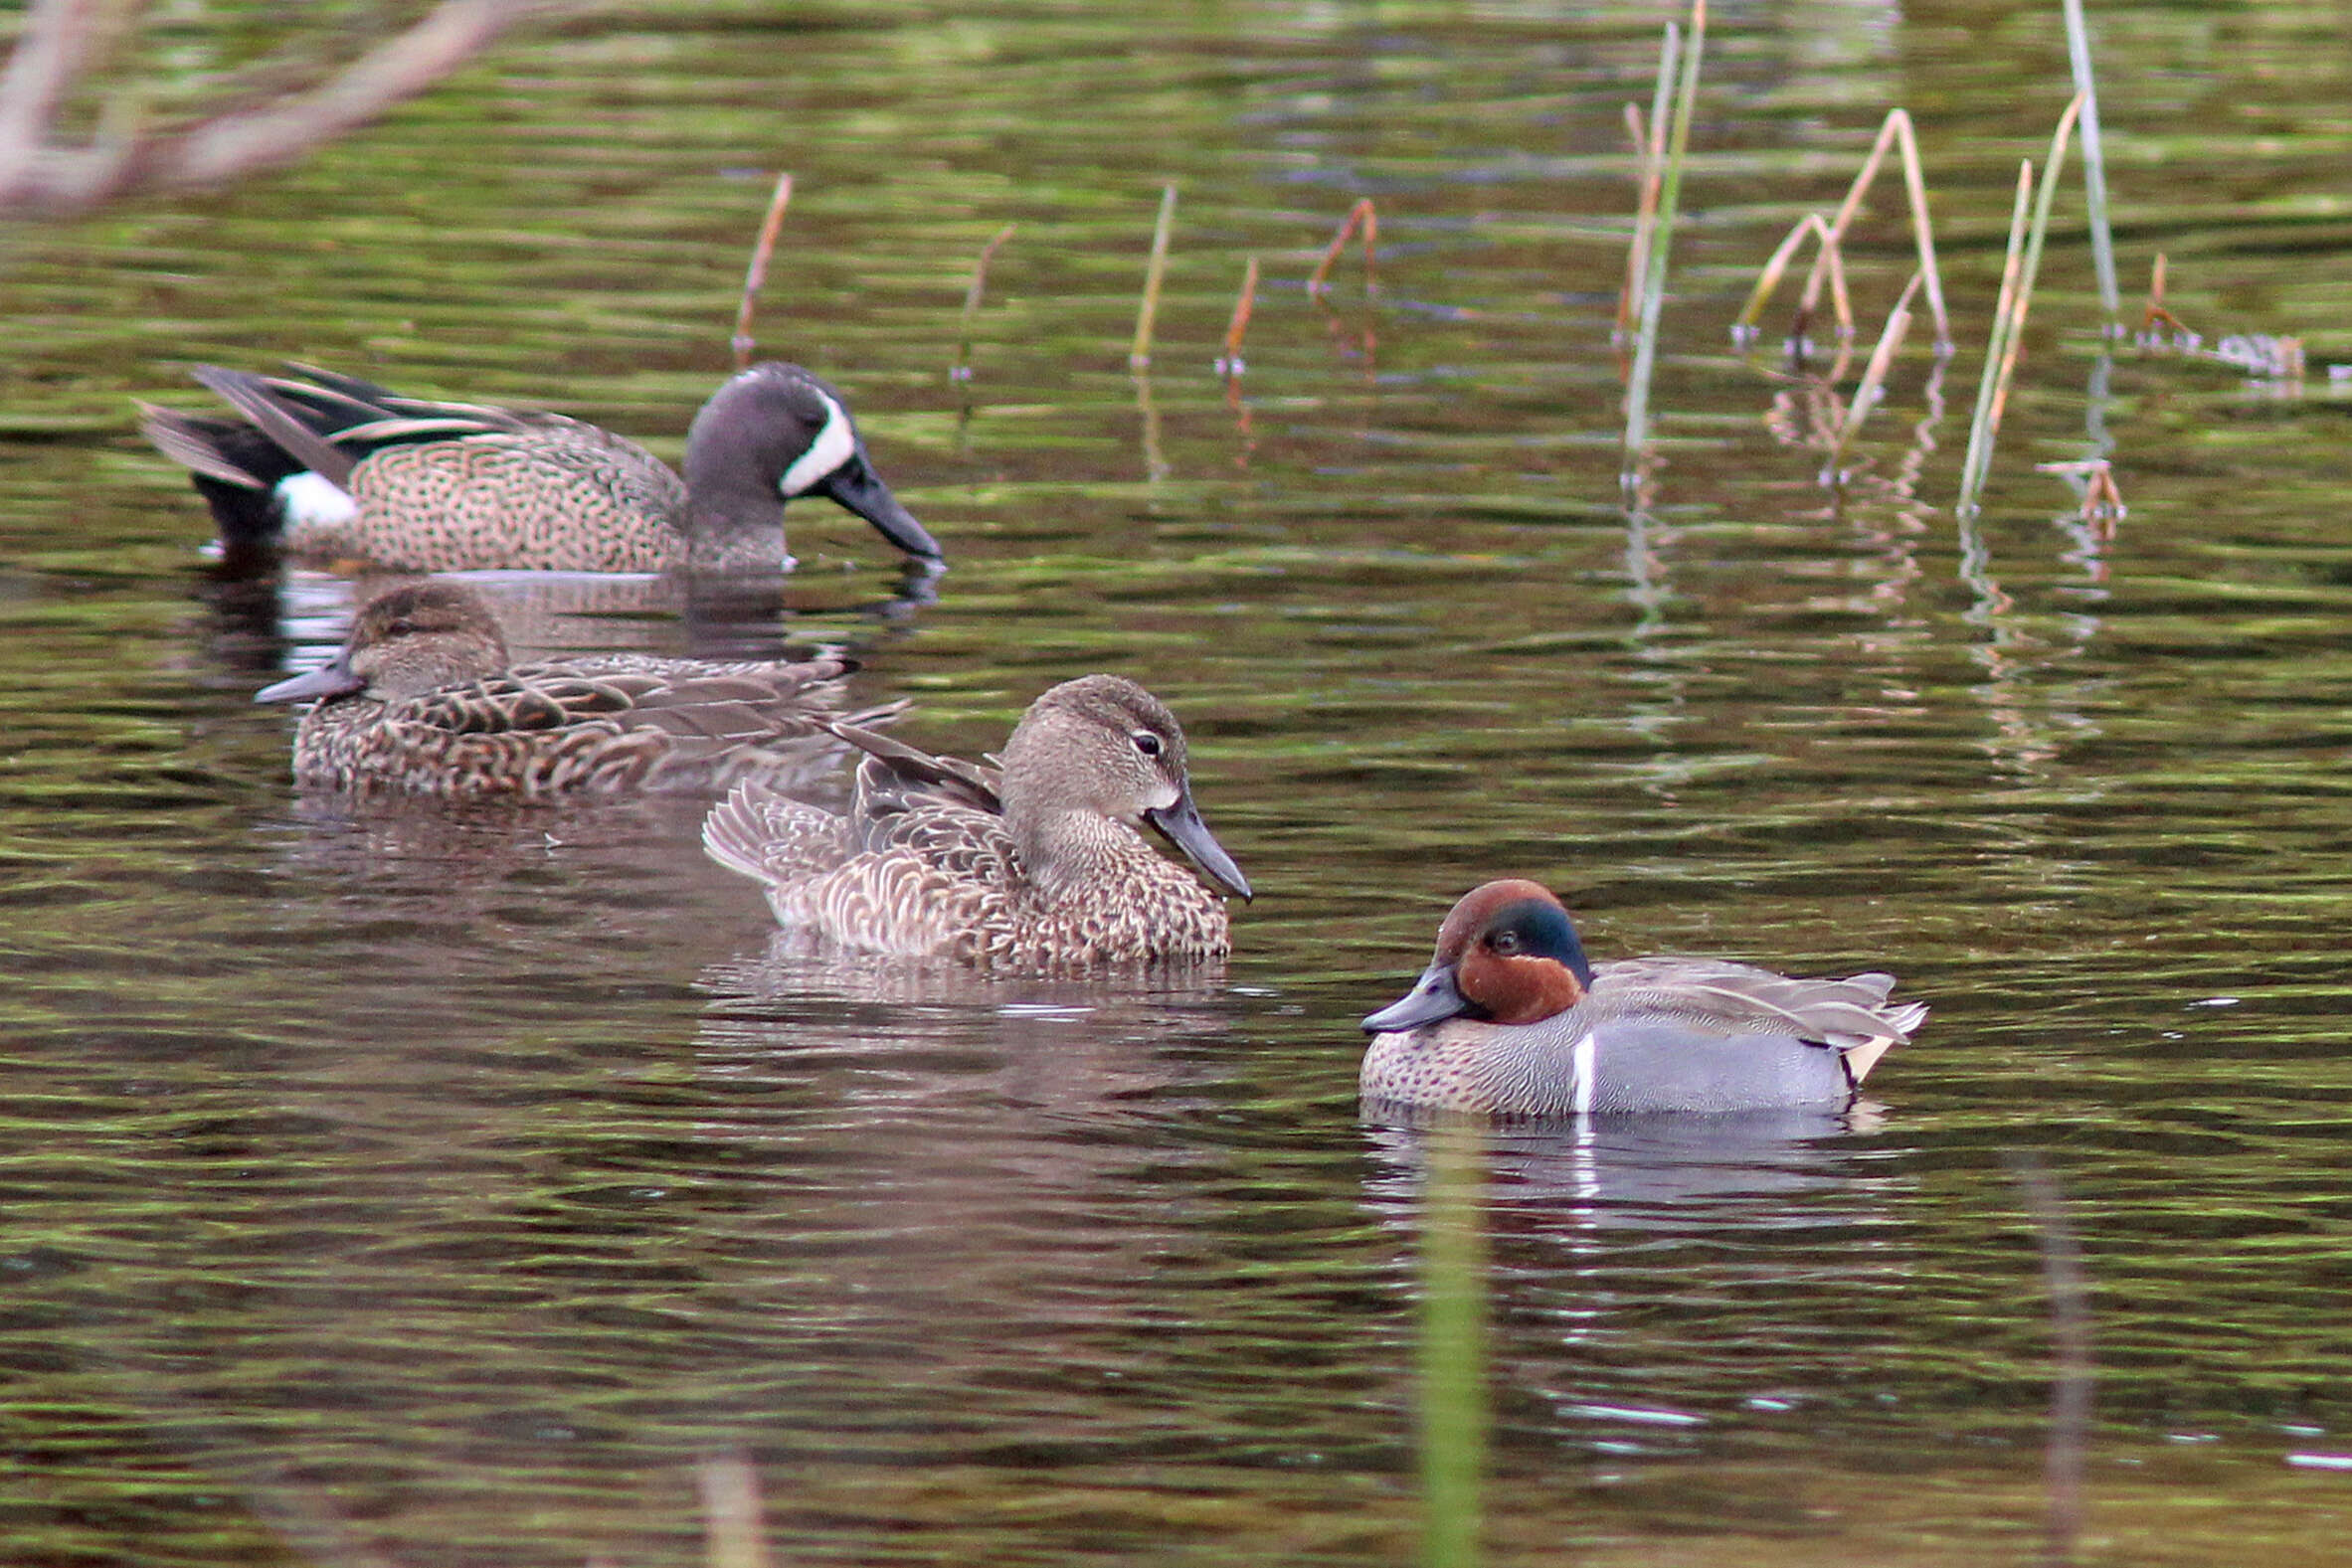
{"type": "Point", "coordinates": [1511, 1018]}
{"type": "Point", "coordinates": [323, 465]}
{"type": "Point", "coordinates": [1041, 864]}
{"type": "Point", "coordinates": [422, 701]}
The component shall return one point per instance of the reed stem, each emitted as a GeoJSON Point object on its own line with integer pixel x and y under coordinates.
{"type": "Point", "coordinates": [961, 369]}
{"type": "Point", "coordinates": [1678, 141]}
{"type": "Point", "coordinates": [2094, 167]}
{"type": "Point", "coordinates": [1979, 422]}
{"type": "Point", "coordinates": [1229, 364]}
{"type": "Point", "coordinates": [1874, 379]}
{"type": "Point", "coordinates": [756, 274]}
{"type": "Point", "coordinates": [2158, 313]}
{"type": "Point", "coordinates": [2038, 231]}
{"type": "Point", "coordinates": [1453, 1370]}
{"type": "Point", "coordinates": [1636, 261]}
{"type": "Point", "coordinates": [1649, 156]}
{"type": "Point", "coordinates": [1894, 132]}
{"type": "Point", "coordinates": [1361, 216]}
{"type": "Point", "coordinates": [1139, 355]}
{"type": "Point", "coordinates": [2010, 322]}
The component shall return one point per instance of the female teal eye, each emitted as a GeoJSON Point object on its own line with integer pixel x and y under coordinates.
{"type": "Point", "coordinates": [1147, 743]}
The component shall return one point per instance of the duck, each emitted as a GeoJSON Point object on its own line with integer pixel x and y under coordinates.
{"type": "Point", "coordinates": [321, 466]}
{"type": "Point", "coordinates": [1512, 1019]}
{"type": "Point", "coordinates": [423, 700]}
{"type": "Point", "coordinates": [1038, 864]}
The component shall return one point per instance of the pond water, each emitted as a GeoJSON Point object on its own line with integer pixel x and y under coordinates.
{"type": "Point", "coordinates": [422, 1186]}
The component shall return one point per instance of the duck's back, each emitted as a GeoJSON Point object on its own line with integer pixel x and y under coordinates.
{"type": "Point", "coordinates": [1718, 997]}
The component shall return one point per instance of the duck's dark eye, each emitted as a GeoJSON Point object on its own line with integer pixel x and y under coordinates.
{"type": "Point", "coordinates": [403, 627]}
{"type": "Point", "coordinates": [1148, 743]}
{"type": "Point", "coordinates": [1504, 942]}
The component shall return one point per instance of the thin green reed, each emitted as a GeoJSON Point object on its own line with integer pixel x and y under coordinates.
{"type": "Point", "coordinates": [1649, 146]}
{"type": "Point", "coordinates": [2094, 166]}
{"type": "Point", "coordinates": [1139, 355]}
{"type": "Point", "coordinates": [2017, 297]}
{"type": "Point", "coordinates": [1981, 432]}
{"type": "Point", "coordinates": [1452, 1345]}
{"type": "Point", "coordinates": [1645, 352]}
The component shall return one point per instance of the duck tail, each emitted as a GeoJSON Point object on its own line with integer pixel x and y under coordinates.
{"type": "Point", "coordinates": [282, 428]}
{"type": "Point", "coordinates": [736, 831]}
{"type": "Point", "coordinates": [300, 425]}
{"type": "Point", "coordinates": [234, 467]}
{"type": "Point", "coordinates": [1899, 1022]}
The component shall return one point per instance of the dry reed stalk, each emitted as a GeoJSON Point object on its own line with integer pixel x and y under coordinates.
{"type": "Point", "coordinates": [1678, 141]}
{"type": "Point", "coordinates": [1639, 136]}
{"type": "Point", "coordinates": [757, 274]}
{"type": "Point", "coordinates": [1894, 132]}
{"type": "Point", "coordinates": [2157, 314]}
{"type": "Point", "coordinates": [1361, 216]}
{"type": "Point", "coordinates": [1874, 379]}
{"type": "Point", "coordinates": [1914, 185]}
{"type": "Point", "coordinates": [1229, 364]}
{"type": "Point", "coordinates": [1139, 355]}
{"type": "Point", "coordinates": [1832, 260]}
{"type": "Point", "coordinates": [1649, 172]}
{"type": "Point", "coordinates": [732, 1537]}
{"type": "Point", "coordinates": [1776, 269]}
{"type": "Point", "coordinates": [2094, 166]}
{"type": "Point", "coordinates": [961, 369]}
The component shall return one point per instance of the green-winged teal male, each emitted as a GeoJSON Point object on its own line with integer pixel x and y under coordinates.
{"type": "Point", "coordinates": [329, 465]}
{"type": "Point", "coordinates": [1510, 1018]}
{"type": "Point", "coordinates": [422, 701]}
{"type": "Point", "coordinates": [1040, 865]}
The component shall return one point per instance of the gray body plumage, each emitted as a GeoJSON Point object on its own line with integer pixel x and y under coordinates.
{"type": "Point", "coordinates": [1654, 1035]}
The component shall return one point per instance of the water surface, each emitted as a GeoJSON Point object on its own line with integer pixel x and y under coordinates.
{"type": "Point", "coordinates": [441, 1185]}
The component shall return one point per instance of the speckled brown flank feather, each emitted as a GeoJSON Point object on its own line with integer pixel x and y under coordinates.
{"type": "Point", "coordinates": [566, 497]}
{"type": "Point", "coordinates": [431, 710]}
{"type": "Point", "coordinates": [930, 859]}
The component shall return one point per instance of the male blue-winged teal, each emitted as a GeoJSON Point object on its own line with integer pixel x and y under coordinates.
{"type": "Point", "coordinates": [1510, 1018]}
{"type": "Point", "coordinates": [1040, 865]}
{"type": "Point", "coordinates": [422, 701]}
{"type": "Point", "coordinates": [329, 465]}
